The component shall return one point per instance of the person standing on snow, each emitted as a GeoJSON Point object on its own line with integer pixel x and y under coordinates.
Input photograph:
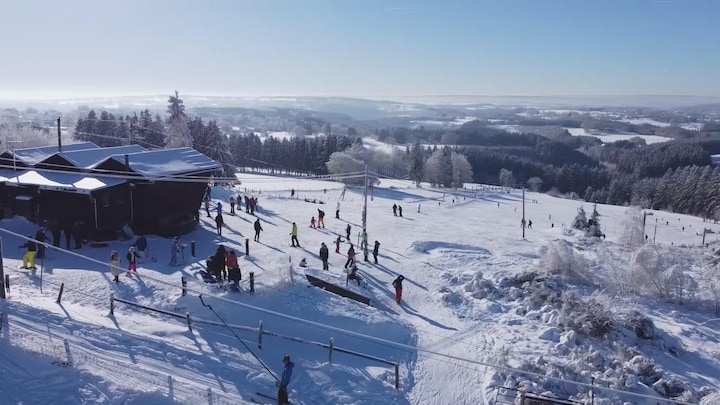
{"type": "Point", "coordinates": [312, 222]}
{"type": "Point", "coordinates": [232, 205]}
{"type": "Point", "coordinates": [348, 228]}
{"type": "Point", "coordinates": [398, 288]}
{"type": "Point", "coordinates": [174, 249]}
{"type": "Point", "coordinates": [321, 219]}
{"type": "Point", "coordinates": [293, 234]}
{"type": "Point", "coordinates": [219, 223]}
{"type": "Point", "coordinates": [395, 209]}
{"type": "Point", "coordinates": [324, 256]}
{"type": "Point", "coordinates": [375, 251]}
{"type": "Point", "coordinates": [206, 202]}
{"type": "Point", "coordinates": [30, 254]}
{"type": "Point", "coordinates": [132, 261]}
{"type": "Point", "coordinates": [337, 244]}
{"type": "Point", "coordinates": [258, 228]}
{"type": "Point", "coordinates": [41, 237]}
{"type": "Point", "coordinates": [282, 394]}
{"type": "Point", "coordinates": [363, 243]}
{"type": "Point", "coordinates": [337, 210]}
{"type": "Point", "coordinates": [400, 210]}
{"type": "Point", "coordinates": [115, 265]}
{"type": "Point", "coordinates": [350, 256]}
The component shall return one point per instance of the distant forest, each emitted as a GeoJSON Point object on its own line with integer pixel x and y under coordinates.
{"type": "Point", "coordinates": [673, 175]}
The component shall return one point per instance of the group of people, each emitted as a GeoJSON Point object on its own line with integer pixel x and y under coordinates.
{"type": "Point", "coordinates": [223, 265]}
{"type": "Point", "coordinates": [397, 210]}
{"type": "Point", "coordinates": [138, 250]}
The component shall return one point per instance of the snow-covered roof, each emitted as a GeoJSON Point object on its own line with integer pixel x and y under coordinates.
{"type": "Point", "coordinates": [88, 158]}
{"type": "Point", "coordinates": [6, 174]}
{"type": "Point", "coordinates": [32, 156]}
{"type": "Point", "coordinates": [168, 162]}
{"type": "Point", "coordinates": [68, 182]}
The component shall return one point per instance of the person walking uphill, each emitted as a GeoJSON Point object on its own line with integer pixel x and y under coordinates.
{"type": "Point", "coordinates": [258, 228]}
{"type": "Point", "coordinates": [348, 228]}
{"type": "Point", "coordinates": [293, 234]}
{"type": "Point", "coordinates": [324, 255]}
{"type": "Point", "coordinates": [350, 256]}
{"type": "Point", "coordinates": [398, 288]}
{"type": "Point", "coordinates": [282, 394]}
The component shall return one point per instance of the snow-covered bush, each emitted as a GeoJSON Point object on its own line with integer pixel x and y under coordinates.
{"type": "Point", "coordinates": [560, 258]}
{"type": "Point", "coordinates": [592, 316]}
{"type": "Point", "coordinates": [633, 228]}
{"type": "Point", "coordinates": [711, 399]}
{"type": "Point", "coordinates": [646, 267]}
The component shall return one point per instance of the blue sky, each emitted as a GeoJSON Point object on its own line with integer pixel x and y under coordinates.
{"type": "Point", "coordinates": [70, 48]}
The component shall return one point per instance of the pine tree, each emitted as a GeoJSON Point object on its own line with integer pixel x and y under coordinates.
{"type": "Point", "coordinates": [594, 229]}
{"type": "Point", "coordinates": [178, 133]}
{"type": "Point", "coordinates": [580, 221]}
{"type": "Point", "coordinates": [416, 167]}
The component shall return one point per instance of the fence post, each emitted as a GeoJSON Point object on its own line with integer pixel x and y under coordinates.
{"type": "Point", "coordinates": [62, 287]}
{"type": "Point", "coordinates": [184, 285]}
{"type": "Point", "coordinates": [192, 248]}
{"type": "Point", "coordinates": [171, 391]}
{"type": "Point", "coordinates": [247, 246]}
{"type": "Point", "coordinates": [331, 351]}
{"type": "Point", "coordinates": [592, 391]}
{"type": "Point", "coordinates": [189, 321]}
{"type": "Point", "coordinates": [260, 334]}
{"type": "Point", "coordinates": [69, 361]}
{"type": "Point", "coordinates": [210, 401]}
{"type": "Point", "coordinates": [112, 304]}
{"type": "Point", "coordinates": [7, 282]}
{"type": "Point", "coordinates": [252, 282]}
{"type": "Point", "coordinates": [397, 376]}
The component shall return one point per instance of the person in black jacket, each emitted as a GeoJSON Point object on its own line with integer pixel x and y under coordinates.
{"type": "Point", "coordinates": [30, 254]}
{"type": "Point", "coordinates": [324, 255]}
{"type": "Point", "coordinates": [375, 251]}
{"type": "Point", "coordinates": [258, 228]}
{"type": "Point", "coordinates": [41, 237]}
{"type": "Point", "coordinates": [398, 288]}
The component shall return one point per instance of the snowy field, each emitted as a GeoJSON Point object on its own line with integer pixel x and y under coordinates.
{"type": "Point", "coordinates": [608, 137]}
{"type": "Point", "coordinates": [472, 318]}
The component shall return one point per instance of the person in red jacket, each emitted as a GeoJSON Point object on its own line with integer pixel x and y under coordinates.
{"type": "Point", "coordinates": [231, 261]}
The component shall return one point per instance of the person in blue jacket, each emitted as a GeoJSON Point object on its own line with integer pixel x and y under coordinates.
{"type": "Point", "coordinates": [284, 381]}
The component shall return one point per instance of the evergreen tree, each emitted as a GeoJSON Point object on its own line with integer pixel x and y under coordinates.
{"type": "Point", "coordinates": [178, 133]}
{"type": "Point", "coordinates": [580, 222]}
{"type": "Point", "coordinates": [594, 229]}
{"type": "Point", "coordinates": [416, 167]}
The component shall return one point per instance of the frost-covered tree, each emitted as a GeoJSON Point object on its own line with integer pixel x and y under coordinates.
{"type": "Point", "coordinates": [580, 221]}
{"type": "Point", "coordinates": [416, 167]}
{"type": "Point", "coordinates": [178, 133]}
{"type": "Point", "coordinates": [535, 183]}
{"type": "Point", "coordinates": [594, 223]}
{"type": "Point", "coordinates": [438, 168]}
{"type": "Point", "coordinates": [633, 227]}
{"type": "Point", "coordinates": [506, 178]}
{"type": "Point", "coordinates": [559, 258]}
{"type": "Point", "coordinates": [342, 162]}
{"type": "Point", "coordinates": [461, 170]}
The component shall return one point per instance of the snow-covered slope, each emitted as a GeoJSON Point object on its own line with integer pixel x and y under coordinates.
{"type": "Point", "coordinates": [482, 307]}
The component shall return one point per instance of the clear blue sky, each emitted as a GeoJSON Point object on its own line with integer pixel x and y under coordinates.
{"type": "Point", "coordinates": [359, 47]}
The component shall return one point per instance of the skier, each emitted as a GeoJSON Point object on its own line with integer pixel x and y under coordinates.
{"type": "Point", "coordinates": [418, 208]}
{"type": "Point", "coordinates": [30, 254]}
{"type": "Point", "coordinates": [132, 261]}
{"type": "Point", "coordinates": [41, 237]}
{"type": "Point", "coordinates": [375, 251]}
{"type": "Point", "coordinates": [350, 256]}
{"type": "Point", "coordinates": [312, 222]}
{"type": "Point", "coordinates": [174, 249]}
{"type": "Point", "coordinates": [219, 223]}
{"type": "Point", "coordinates": [232, 205]}
{"type": "Point", "coordinates": [395, 209]}
{"type": "Point", "coordinates": [337, 244]}
{"type": "Point", "coordinates": [400, 210]}
{"type": "Point", "coordinates": [321, 219]}
{"type": "Point", "coordinates": [258, 228]}
{"type": "Point", "coordinates": [282, 393]}
{"type": "Point", "coordinates": [398, 288]}
{"type": "Point", "coordinates": [348, 228]}
{"type": "Point", "coordinates": [115, 265]}
{"type": "Point", "coordinates": [337, 210]}
{"type": "Point", "coordinates": [293, 234]}
{"type": "Point", "coordinates": [324, 255]}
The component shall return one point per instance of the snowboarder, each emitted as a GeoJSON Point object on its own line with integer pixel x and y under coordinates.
{"type": "Point", "coordinates": [400, 210]}
{"type": "Point", "coordinates": [41, 237]}
{"type": "Point", "coordinates": [30, 254]}
{"type": "Point", "coordinates": [232, 205]}
{"type": "Point", "coordinates": [324, 255]}
{"type": "Point", "coordinates": [258, 228]}
{"type": "Point", "coordinates": [293, 234]}
{"type": "Point", "coordinates": [174, 249]}
{"type": "Point", "coordinates": [312, 222]}
{"type": "Point", "coordinates": [348, 228]}
{"type": "Point", "coordinates": [395, 209]}
{"type": "Point", "coordinates": [350, 256]}
{"type": "Point", "coordinates": [352, 275]}
{"type": "Point", "coordinates": [282, 393]}
{"type": "Point", "coordinates": [219, 223]}
{"type": "Point", "coordinates": [321, 219]}
{"type": "Point", "coordinates": [337, 210]}
{"type": "Point", "coordinates": [337, 244]}
{"type": "Point", "coordinates": [115, 265]}
{"type": "Point", "coordinates": [376, 248]}
{"type": "Point", "coordinates": [398, 288]}
{"type": "Point", "coordinates": [132, 261]}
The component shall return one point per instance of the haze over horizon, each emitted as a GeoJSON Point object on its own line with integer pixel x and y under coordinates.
{"type": "Point", "coordinates": [369, 49]}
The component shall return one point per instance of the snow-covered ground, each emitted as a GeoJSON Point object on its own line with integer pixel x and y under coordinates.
{"type": "Point", "coordinates": [473, 316]}
{"type": "Point", "coordinates": [608, 137]}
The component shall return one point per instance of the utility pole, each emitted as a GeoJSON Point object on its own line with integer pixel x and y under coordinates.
{"type": "Point", "coordinates": [12, 148]}
{"type": "Point", "coordinates": [59, 135]}
{"type": "Point", "coordinates": [364, 213]}
{"type": "Point", "coordinates": [655, 232]}
{"type": "Point", "coordinates": [523, 218]}
{"type": "Point", "coordinates": [2, 275]}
